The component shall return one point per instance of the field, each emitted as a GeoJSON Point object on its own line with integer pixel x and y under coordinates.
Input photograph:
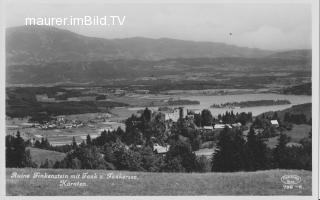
{"type": "Point", "coordinates": [63, 136]}
{"type": "Point", "coordinates": [39, 156]}
{"type": "Point", "coordinates": [239, 183]}
{"type": "Point", "coordinates": [297, 133]}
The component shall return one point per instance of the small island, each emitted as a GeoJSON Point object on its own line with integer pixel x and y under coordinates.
{"type": "Point", "coordinates": [182, 102]}
{"type": "Point", "coordinates": [244, 104]}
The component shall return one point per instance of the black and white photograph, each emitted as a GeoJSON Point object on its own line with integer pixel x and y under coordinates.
{"type": "Point", "coordinates": [109, 98]}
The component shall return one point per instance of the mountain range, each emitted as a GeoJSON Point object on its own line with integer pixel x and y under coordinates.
{"type": "Point", "coordinates": [38, 54]}
{"type": "Point", "coordinates": [38, 44]}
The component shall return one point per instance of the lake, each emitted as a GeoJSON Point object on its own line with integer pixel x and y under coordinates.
{"type": "Point", "coordinates": [207, 100]}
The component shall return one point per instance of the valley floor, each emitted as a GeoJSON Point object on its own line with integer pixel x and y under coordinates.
{"type": "Point", "coordinates": [162, 184]}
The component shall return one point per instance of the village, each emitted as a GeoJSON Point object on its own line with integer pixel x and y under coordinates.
{"type": "Point", "coordinates": [61, 129]}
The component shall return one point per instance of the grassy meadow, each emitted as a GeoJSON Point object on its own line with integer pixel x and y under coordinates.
{"type": "Point", "coordinates": [238, 183]}
{"type": "Point", "coordinates": [39, 156]}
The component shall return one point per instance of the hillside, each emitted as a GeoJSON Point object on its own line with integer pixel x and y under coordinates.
{"type": "Point", "coordinates": [108, 72]}
{"type": "Point", "coordinates": [301, 108]}
{"type": "Point", "coordinates": [305, 109]}
{"type": "Point", "coordinates": [302, 89]}
{"type": "Point", "coordinates": [40, 44]}
{"type": "Point", "coordinates": [39, 156]}
{"type": "Point", "coordinates": [238, 183]}
{"type": "Point", "coordinates": [40, 55]}
{"type": "Point", "coordinates": [293, 54]}
{"type": "Point", "coordinates": [298, 131]}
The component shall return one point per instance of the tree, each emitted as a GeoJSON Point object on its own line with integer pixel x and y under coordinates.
{"type": "Point", "coordinates": [275, 116]}
{"type": "Point", "coordinates": [158, 130]}
{"type": "Point", "coordinates": [150, 161]}
{"type": "Point", "coordinates": [197, 119]}
{"type": "Point", "coordinates": [174, 165]}
{"type": "Point", "coordinates": [204, 164]}
{"type": "Point", "coordinates": [230, 154]}
{"type": "Point", "coordinates": [74, 143]}
{"type": "Point", "coordinates": [45, 143]}
{"type": "Point", "coordinates": [280, 156]}
{"type": "Point", "coordinates": [16, 153]}
{"type": "Point", "coordinates": [46, 164]}
{"type": "Point", "coordinates": [182, 151]}
{"type": "Point", "coordinates": [307, 151]}
{"type": "Point", "coordinates": [243, 117]}
{"type": "Point", "coordinates": [88, 141]}
{"type": "Point", "coordinates": [256, 151]}
{"type": "Point", "coordinates": [146, 115]}
{"type": "Point", "coordinates": [206, 118]}
{"type": "Point", "coordinates": [88, 157]}
{"type": "Point", "coordinates": [133, 133]}
{"type": "Point", "coordinates": [109, 153]}
{"type": "Point", "coordinates": [286, 117]}
{"type": "Point", "coordinates": [37, 144]}
{"type": "Point", "coordinates": [127, 159]}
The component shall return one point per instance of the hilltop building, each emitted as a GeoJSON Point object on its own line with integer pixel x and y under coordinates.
{"type": "Point", "coordinates": [173, 114]}
{"type": "Point", "coordinates": [221, 126]}
{"type": "Point", "coordinates": [274, 123]}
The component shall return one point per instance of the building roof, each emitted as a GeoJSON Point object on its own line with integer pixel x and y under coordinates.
{"type": "Point", "coordinates": [208, 127]}
{"type": "Point", "coordinates": [160, 149]}
{"type": "Point", "coordinates": [274, 122]}
{"type": "Point", "coordinates": [237, 124]}
{"type": "Point", "coordinates": [219, 126]}
{"type": "Point", "coordinates": [293, 144]}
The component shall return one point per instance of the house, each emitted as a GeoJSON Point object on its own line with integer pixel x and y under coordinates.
{"type": "Point", "coordinates": [142, 91]}
{"type": "Point", "coordinates": [208, 128]}
{"type": "Point", "coordinates": [107, 129]}
{"type": "Point", "coordinates": [44, 98]}
{"type": "Point", "coordinates": [173, 115]}
{"type": "Point", "coordinates": [182, 112]}
{"type": "Point", "coordinates": [274, 123]}
{"type": "Point", "coordinates": [237, 124]}
{"type": "Point", "coordinates": [52, 126]}
{"type": "Point", "coordinates": [93, 136]}
{"type": "Point", "coordinates": [221, 126]}
{"type": "Point", "coordinates": [190, 116]}
{"type": "Point", "coordinates": [104, 115]}
{"type": "Point", "coordinates": [38, 136]}
{"type": "Point", "coordinates": [60, 118]}
{"type": "Point", "coordinates": [258, 130]}
{"type": "Point", "coordinates": [293, 144]}
{"type": "Point", "coordinates": [12, 127]}
{"type": "Point", "coordinates": [119, 92]}
{"type": "Point", "coordinates": [68, 126]}
{"type": "Point", "coordinates": [27, 125]}
{"type": "Point", "coordinates": [160, 149]}
{"type": "Point", "coordinates": [193, 111]}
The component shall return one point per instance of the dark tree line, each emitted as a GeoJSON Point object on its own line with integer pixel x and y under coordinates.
{"type": "Point", "coordinates": [231, 118]}
{"type": "Point", "coordinates": [234, 153]}
{"type": "Point", "coordinates": [205, 118]}
{"type": "Point", "coordinates": [296, 118]}
{"type": "Point", "coordinates": [16, 153]}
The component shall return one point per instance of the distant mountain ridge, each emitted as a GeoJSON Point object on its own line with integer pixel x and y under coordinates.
{"type": "Point", "coordinates": [293, 54]}
{"type": "Point", "coordinates": [48, 55]}
{"type": "Point", "coordinates": [40, 44]}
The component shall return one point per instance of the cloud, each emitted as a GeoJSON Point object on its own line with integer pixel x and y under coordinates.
{"type": "Point", "coordinates": [267, 37]}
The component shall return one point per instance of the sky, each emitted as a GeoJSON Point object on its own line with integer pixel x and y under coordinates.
{"type": "Point", "coordinates": [266, 26]}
